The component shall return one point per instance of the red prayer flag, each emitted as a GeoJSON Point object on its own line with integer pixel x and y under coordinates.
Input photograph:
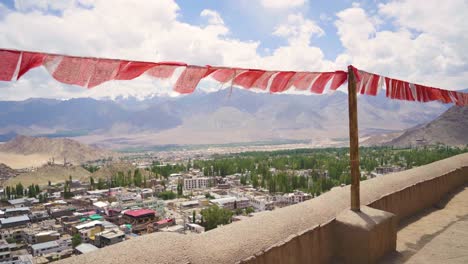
{"type": "Point", "coordinates": [248, 78]}
{"type": "Point", "coordinates": [74, 70]}
{"type": "Point", "coordinates": [209, 70]}
{"type": "Point", "coordinates": [189, 79]}
{"type": "Point", "coordinates": [319, 85]}
{"type": "Point", "coordinates": [29, 60]}
{"type": "Point", "coordinates": [280, 82]}
{"type": "Point", "coordinates": [104, 70]}
{"type": "Point", "coordinates": [8, 62]}
{"type": "Point", "coordinates": [375, 85]}
{"type": "Point", "coordinates": [304, 80]}
{"type": "Point", "coordinates": [339, 79]}
{"type": "Point", "coordinates": [162, 71]}
{"type": "Point", "coordinates": [224, 75]}
{"type": "Point", "coordinates": [262, 82]}
{"type": "Point", "coordinates": [129, 70]}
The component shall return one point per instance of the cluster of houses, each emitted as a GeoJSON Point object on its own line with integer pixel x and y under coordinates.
{"type": "Point", "coordinates": [35, 232]}
{"type": "Point", "coordinates": [227, 192]}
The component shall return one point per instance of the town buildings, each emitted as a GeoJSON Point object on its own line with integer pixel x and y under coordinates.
{"type": "Point", "coordinates": [9, 256]}
{"type": "Point", "coordinates": [231, 203]}
{"type": "Point", "coordinates": [196, 183]}
{"type": "Point", "coordinates": [56, 246]}
{"type": "Point", "coordinates": [109, 237]}
{"type": "Point", "coordinates": [14, 221]}
{"type": "Point", "coordinates": [101, 218]}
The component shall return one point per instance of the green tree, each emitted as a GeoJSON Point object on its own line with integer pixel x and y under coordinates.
{"type": "Point", "coordinates": [67, 194]}
{"type": "Point", "coordinates": [214, 216]}
{"type": "Point", "coordinates": [243, 180]}
{"type": "Point", "coordinates": [101, 184]}
{"type": "Point", "coordinates": [31, 191]}
{"type": "Point", "coordinates": [239, 211]}
{"type": "Point", "coordinates": [167, 195]}
{"type": "Point", "coordinates": [254, 179]}
{"type": "Point", "coordinates": [180, 189]}
{"type": "Point", "coordinates": [19, 190]}
{"type": "Point", "coordinates": [91, 182]}
{"type": "Point", "coordinates": [137, 178]}
{"type": "Point", "coordinates": [76, 240]}
{"type": "Point", "coordinates": [41, 198]}
{"type": "Point", "coordinates": [8, 192]}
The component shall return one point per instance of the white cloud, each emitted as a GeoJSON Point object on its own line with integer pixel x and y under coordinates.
{"type": "Point", "coordinates": [427, 45]}
{"type": "Point", "coordinates": [418, 49]}
{"type": "Point", "coordinates": [149, 31]}
{"type": "Point", "coordinates": [212, 16]}
{"type": "Point", "coordinates": [298, 29]}
{"type": "Point", "coordinates": [153, 33]}
{"type": "Point", "coordinates": [282, 4]}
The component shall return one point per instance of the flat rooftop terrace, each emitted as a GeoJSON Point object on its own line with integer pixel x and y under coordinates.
{"type": "Point", "coordinates": [437, 235]}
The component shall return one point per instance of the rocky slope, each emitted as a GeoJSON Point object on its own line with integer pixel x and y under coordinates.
{"type": "Point", "coordinates": [450, 128]}
{"type": "Point", "coordinates": [6, 172]}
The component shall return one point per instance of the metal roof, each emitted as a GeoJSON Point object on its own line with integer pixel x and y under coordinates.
{"type": "Point", "coordinates": [44, 245]}
{"type": "Point", "coordinates": [17, 209]}
{"type": "Point", "coordinates": [14, 219]}
{"type": "Point", "coordinates": [88, 225]}
{"type": "Point", "coordinates": [86, 248]}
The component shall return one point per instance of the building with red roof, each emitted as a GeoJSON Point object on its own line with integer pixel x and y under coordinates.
{"type": "Point", "coordinates": [139, 213]}
{"type": "Point", "coordinates": [140, 219]}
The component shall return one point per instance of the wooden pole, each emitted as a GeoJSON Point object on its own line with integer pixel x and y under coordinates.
{"type": "Point", "coordinates": [353, 141]}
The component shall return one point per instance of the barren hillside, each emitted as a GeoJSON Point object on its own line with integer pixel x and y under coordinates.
{"type": "Point", "coordinates": [55, 174]}
{"type": "Point", "coordinates": [58, 149]}
{"type": "Point", "coordinates": [450, 128]}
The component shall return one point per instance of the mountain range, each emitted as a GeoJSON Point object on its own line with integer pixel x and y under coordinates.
{"type": "Point", "coordinates": [225, 116]}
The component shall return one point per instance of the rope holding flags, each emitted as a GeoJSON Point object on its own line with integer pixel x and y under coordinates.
{"type": "Point", "coordinates": [371, 84]}
{"type": "Point", "coordinates": [90, 72]}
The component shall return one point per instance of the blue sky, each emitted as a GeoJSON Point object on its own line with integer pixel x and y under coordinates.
{"type": "Point", "coordinates": [399, 38]}
{"type": "Point", "coordinates": [252, 25]}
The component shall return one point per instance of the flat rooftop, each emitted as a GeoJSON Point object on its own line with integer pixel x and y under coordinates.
{"type": "Point", "coordinates": [437, 235]}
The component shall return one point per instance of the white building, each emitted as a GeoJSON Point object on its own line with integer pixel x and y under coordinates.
{"type": "Point", "coordinates": [55, 246]}
{"type": "Point", "coordinates": [296, 197]}
{"type": "Point", "coordinates": [196, 183]}
{"type": "Point", "coordinates": [260, 203]}
{"type": "Point", "coordinates": [231, 203]}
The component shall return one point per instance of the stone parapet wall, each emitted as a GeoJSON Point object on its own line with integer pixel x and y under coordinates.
{"type": "Point", "coordinates": [301, 233]}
